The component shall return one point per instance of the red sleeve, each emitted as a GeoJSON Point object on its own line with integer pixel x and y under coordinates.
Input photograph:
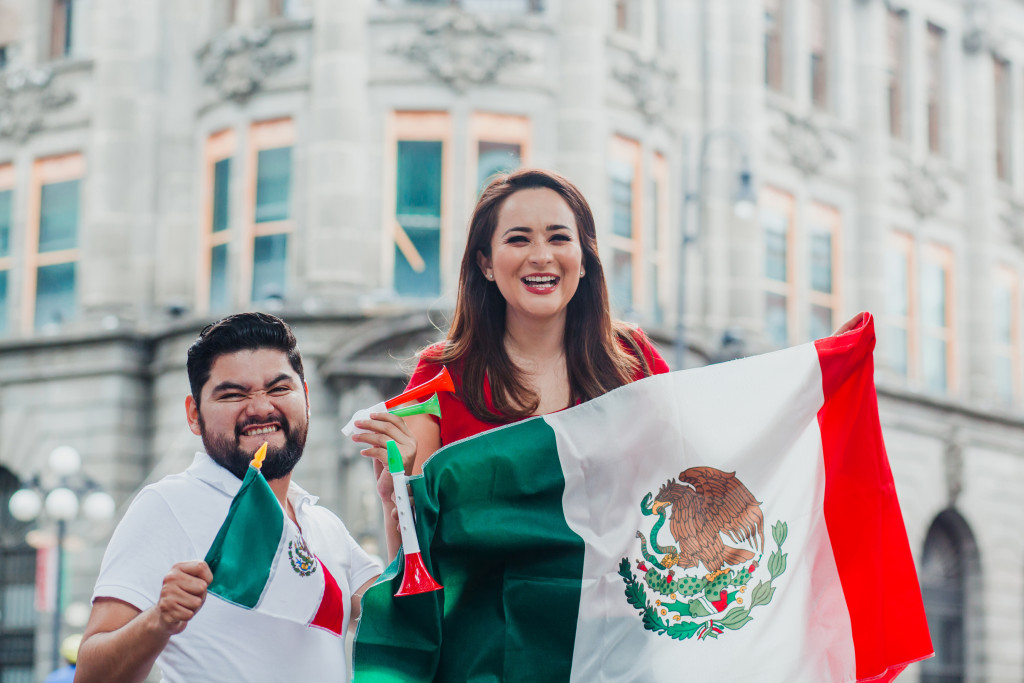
{"type": "Point", "coordinates": [426, 367]}
{"type": "Point", "coordinates": [654, 360]}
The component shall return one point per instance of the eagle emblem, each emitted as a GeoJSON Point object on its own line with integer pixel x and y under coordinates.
{"type": "Point", "coordinates": [302, 560]}
{"type": "Point", "coordinates": [700, 580]}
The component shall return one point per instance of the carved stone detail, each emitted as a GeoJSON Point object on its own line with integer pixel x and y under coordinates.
{"type": "Point", "coordinates": [954, 462]}
{"type": "Point", "coordinates": [1014, 222]}
{"type": "Point", "coordinates": [26, 95]}
{"type": "Point", "coordinates": [650, 83]}
{"type": "Point", "coordinates": [924, 190]}
{"type": "Point", "coordinates": [461, 49]}
{"type": "Point", "coordinates": [805, 143]}
{"type": "Point", "coordinates": [238, 61]}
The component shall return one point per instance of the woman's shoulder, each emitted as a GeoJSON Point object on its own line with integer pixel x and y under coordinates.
{"type": "Point", "coordinates": [635, 342]}
{"type": "Point", "coordinates": [428, 363]}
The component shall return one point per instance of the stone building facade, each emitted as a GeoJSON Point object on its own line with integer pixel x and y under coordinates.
{"type": "Point", "coordinates": [162, 164]}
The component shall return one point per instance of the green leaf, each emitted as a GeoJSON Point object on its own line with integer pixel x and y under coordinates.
{"type": "Point", "coordinates": [762, 594]}
{"type": "Point", "coordinates": [735, 618]}
{"type": "Point", "coordinates": [682, 630]}
{"type": "Point", "coordinates": [624, 570]}
{"type": "Point", "coordinates": [779, 532]}
{"type": "Point", "coordinates": [779, 565]}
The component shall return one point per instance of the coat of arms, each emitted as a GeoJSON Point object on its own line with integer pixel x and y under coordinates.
{"type": "Point", "coordinates": [302, 560]}
{"type": "Point", "coordinates": [699, 583]}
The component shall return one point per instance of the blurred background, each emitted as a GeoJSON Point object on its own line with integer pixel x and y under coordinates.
{"type": "Point", "coordinates": [760, 171]}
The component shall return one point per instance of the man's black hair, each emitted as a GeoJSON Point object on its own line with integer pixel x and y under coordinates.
{"type": "Point", "coordinates": [239, 332]}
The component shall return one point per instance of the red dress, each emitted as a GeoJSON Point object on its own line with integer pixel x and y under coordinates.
{"type": "Point", "coordinates": [459, 423]}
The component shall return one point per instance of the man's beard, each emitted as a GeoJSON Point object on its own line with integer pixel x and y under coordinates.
{"type": "Point", "coordinates": [227, 453]}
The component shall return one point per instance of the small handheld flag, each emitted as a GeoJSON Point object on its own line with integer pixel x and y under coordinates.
{"type": "Point", "coordinates": [261, 562]}
{"type": "Point", "coordinates": [442, 381]}
{"type": "Point", "coordinates": [416, 578]}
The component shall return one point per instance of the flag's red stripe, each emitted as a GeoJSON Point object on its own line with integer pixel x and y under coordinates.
{"type": "Point", "coordinates": [865, 525]}
{"type": "Point", "coordinates": [331, 613]}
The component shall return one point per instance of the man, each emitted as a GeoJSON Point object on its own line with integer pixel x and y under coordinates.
{"type": "Point", "coordinates": [149, 604]}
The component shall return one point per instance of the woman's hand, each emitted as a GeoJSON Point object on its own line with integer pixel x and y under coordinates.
{"type": "Point", "coordinates": [381, 428]}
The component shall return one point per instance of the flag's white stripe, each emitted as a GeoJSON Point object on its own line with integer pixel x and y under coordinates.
{"type": "Point", "coordinates": [757, 417]}
{"type": "Point", "coordinates": [287, 594]}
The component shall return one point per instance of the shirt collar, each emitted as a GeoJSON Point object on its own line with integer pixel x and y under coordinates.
{"type": "Point", "coordinates": [205, 469]}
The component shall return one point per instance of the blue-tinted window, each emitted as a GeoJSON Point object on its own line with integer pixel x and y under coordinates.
{"type": "Point", "coordinates": [821, 321]}
{"type": "Point", "coordinates": [776, 318]}
{"type": "Point", "coordinates": [933, 294]}
{"type": "Point", "coordinates": [273, 184]}
{"type": "Point", "coordinates": [269, 267]}
{"type": "Point", "coordinates": [621, 284]}
{"type": "Point", "coordinates": [821, 262]}
{"type": "Point", "coordinates": [4, 307]}
{"type": "Point", "coordinates": [494, 158]}
{"type": "Point", "coordinates": [418, 211]}
{"type": "Point", "coordinates": [934, 354]}
{"type": "Point", "coordinates": [776, 234]}
{"type": "Point", "coordinates": [58, 216]}
{"type": "Point", "coordinates": [219, 295]}
{"type": "Point", "coordinates": [621, 180]}
{"type": "Point", "coordinates": [221, 194]}
{"type": "Point", "coordinates": [896, 349]}
{"type": "Point", "coordinates": [55, 294]}
{"type": "Point", "coordinates": [6, 202]}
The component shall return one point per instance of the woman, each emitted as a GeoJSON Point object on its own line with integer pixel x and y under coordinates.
{"type": "Point", "coordinates": [532, 333]}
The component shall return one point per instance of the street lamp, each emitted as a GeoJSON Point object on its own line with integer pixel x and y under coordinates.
{"type": "Point", "coordinates": [744, 207]}
{"type": "Point", "coordinates": [73, 492]}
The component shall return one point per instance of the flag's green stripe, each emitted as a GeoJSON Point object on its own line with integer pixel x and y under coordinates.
{"type": "Point", "coordinates": [489, 514]}
{"type": "Point", "coordinates": [243, 553]}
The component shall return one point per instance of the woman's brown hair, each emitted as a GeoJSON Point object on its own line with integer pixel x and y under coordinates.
{"type": "Point", "coordinates": [595, 359]}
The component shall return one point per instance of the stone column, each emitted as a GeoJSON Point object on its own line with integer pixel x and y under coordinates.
{"type": "Point", "coordinates": [339, 248]}
{"type": "Point", "coordinates": [582, 126]}
{"type": "Point", "coordinates": [116, 229]}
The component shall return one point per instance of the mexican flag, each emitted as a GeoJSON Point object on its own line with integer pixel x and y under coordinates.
{"type": "Point", "coordinates": [736, 522]}
{"type": "Point", "coordinates": [260, 561]}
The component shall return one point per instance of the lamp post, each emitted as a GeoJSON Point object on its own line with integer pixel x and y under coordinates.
{"type": "Point", "coordinates": [744, 206]}
{"type": "Point", "coordinates": [72, 492]}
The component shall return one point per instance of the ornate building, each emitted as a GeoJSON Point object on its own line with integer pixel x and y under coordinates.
{"type": "Point", "coordinates": [162, 164]}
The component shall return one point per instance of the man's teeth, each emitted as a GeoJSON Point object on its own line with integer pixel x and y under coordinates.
{"type": "Point", "coordinates": [261, 430]}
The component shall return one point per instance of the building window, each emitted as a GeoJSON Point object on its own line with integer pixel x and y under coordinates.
{"type": "Point", "coordinates": [625, 185]}
{"type": "Point", "coordinates": [421, 178]}
{"type": "Point", "coordinates": [936, 78]}
{"type": "Point", "coordinates": [659, 253]}
{"type": "Point", "coordinates": [17, 592]}
{"type": "Point", "coordinates": [897, 58]}
{"type": "Point", "coordinates": [1007, 355]}
{"type": "Point", "coordinates": [900, 309]}
{"type": "Point", "coordinates": [6, 262]}
{"type": "Point", "coordinates": [774, 16]}
{"type": "Point", "coordinates": [819, 53]}
{"type": "Point", "coordinates": [61, 28]}
{"type": "Point", "coordinates": [937, 353]}
{"type": "Point", "coordinates": [52, 242]}
{"type": "Point", "coordinates": [1003, 111]}
{"type": "Point", "coordinates": [948, 570]}
{"type": "Point", "coordinates": [270, 157]}
{"type": "Point", "coordinates": [629, 17]}
{"type": "Point", "coordinates": [823, 237]}
{"type": "Point", "coordinates": [215, 272]}
{"type": "Point", "coordinates": [776, 215]}
{"type": "Point", "coordinates": [501, 144]}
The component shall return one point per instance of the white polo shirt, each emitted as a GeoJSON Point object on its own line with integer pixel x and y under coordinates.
{"type": "Point", "coordinates": [176, 520]}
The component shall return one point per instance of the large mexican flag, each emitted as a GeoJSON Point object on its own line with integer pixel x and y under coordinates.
{"type": "Point", "coordinates": [731, 523]}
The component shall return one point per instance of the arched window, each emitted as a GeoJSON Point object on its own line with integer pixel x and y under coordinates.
{"type": "Point", "coordinates": [949, 565]}
{"type": "Point", "coordinates": [17, 592]}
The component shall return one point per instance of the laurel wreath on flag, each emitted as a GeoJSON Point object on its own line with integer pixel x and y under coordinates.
{"type": "Point", "coordinates": [733, 620]}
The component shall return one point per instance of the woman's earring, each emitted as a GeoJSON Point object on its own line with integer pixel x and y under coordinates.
{"type": "Point", "coordinates": [489, 276]}
{"type": "Point", "coordinates": [582, 273]}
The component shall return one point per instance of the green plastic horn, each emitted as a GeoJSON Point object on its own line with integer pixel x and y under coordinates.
{"type": "Point", "coordinates": [428, 407]}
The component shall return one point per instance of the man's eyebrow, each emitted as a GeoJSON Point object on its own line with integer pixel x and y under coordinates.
{"type": "Point", "coordinates": [228, 386]}
{"type": "Point", "coordinates": [283, 377]}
